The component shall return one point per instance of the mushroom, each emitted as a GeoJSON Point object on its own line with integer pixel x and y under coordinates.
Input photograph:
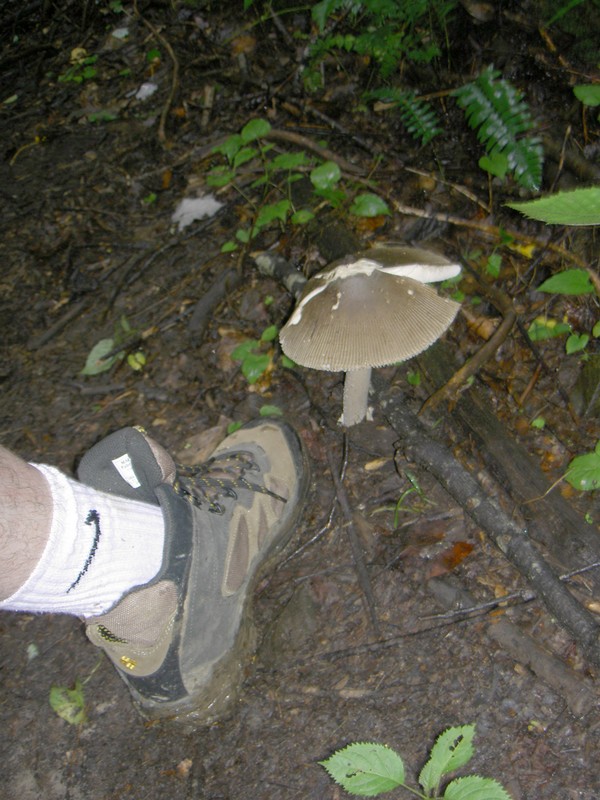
{"type": "Point", "coordinates": [369, 310]}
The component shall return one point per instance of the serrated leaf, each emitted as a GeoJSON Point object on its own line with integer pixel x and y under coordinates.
{"type": "Point", "coordinates": [588, 94]}
{"type": "Point", "coordinates": [96, 362]}
{"type": "Point", "coordinates": [583, 472]}
{"type": "Point", "coordinates": [571, 281]}
{"type": "Point", "coordinates": [473, 787]}
{"type": "Point", "coordinates": [452, 750]}
{"type": "Point", "coordinates": [325, 176]}
{"type": "Point", "coordinates": [69, 704]}
{"type": "Point", "coordinates": [366, 768]}
{"type": "Point", "coordinates": [255, 129]}
{"type": "Point", "coordinates": [577, 207]}
{"type": "Point", "coordinates": [369, 205]}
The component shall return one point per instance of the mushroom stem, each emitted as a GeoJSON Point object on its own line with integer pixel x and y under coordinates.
{"type": "Point", "coordinates": [356, 396]}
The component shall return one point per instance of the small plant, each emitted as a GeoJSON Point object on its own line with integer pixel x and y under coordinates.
{"type": "Point", "coordinates": [69, 704]}
{"type": "Point", "coordinates": [583, 472]}
{"type": "Point", "coordinates": [256, 355]}
{"type": "Point", "coordinates": [106, 352]}
{"type": "Point", "coordinates": [276, 174]}
{"type": "Point", "coordinates": [502, 119]}
{"type": "Point", "coordinates": [370, 769]}
{"type": "Point", "coordinates": [82, 67]}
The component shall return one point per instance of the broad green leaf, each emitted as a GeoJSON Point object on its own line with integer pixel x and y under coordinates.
{"type": "Point", "coordinates": [69, 704]}
{"type": "Point", "coordinates": [576, 342]}
{"type": "Point", "coordinates": [242, 235]}
{"type": "Point", "coordinates": [588, 94]}
{"type": "Point", "coordinates": [452, 750]}
{"type": "Point", "coordinates": [289, 160]}
{"type": "Point", "coordinates": [325, 176]}
{"type": "Point", "coordinates": [545, 328]}
{"type": "Point", "coordinates": [473, 787]}
{"type": "Point", "coordinates": [366, 769]}
{"type": "Point", "coordinates": [271, 212]}
{"type": "Point", "coordinates": [583, 472]}
{"type": "Point", "coordinates": [96, 361]}
{"type": "Point", "coordinates": [255, 365]}
{"type": "Point", "coordinates": [578, 207]}
{"type": "Point", "coordinates": [369, 205]}
{"type": "Point", "coordinates": [287, 362]}
{"type": "Point", "coordinates": [493, 264]}
{"type": "Point", "coordinates": [571, 281]}
{"type": "Point", "coordinates": [229, 247]}
{"type": "Point", "coordinates": [596, 329]}
{"type": "Point", "coordinates": [255, 129]}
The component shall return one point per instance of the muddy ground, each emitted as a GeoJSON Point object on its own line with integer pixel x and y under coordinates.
{"type": "Point", "coordinates": [87, 238]}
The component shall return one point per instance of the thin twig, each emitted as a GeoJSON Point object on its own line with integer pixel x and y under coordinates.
{"type": "Point", "coordinates": [361, 569]}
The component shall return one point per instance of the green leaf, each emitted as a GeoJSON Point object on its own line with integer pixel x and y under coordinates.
{"type": "Point", "coordinates": [269, 334]}
{"type": "Point", "coordinates": [229, 247]}
{"type": "Point", "coordinates": [571, 281]}
{"type": "Point", "coordinates": [243, 155]}
{"type": "Point", "coordinates": [546, 328]}
{"type": "Point", "coordinates": [287, 362]}
{"type": "Point", "coordinates": [137, 361]}
{"type": "Point", "coordinates": [96, 361]}
{"type": "Point", "coordinates": [229, 147]}
{"type": "Point", "coordinates": [366, 769]}
{"type": "Point", "coordinates": [220, 176]}
{"type": "Point", "coordinates": [271, 212]}
{"type": "Point", "coordinates": [255, 129]}
{"type": "Point", "coordinates": [576, 342]}
{"type": "Point", "coordinates": [493, 264]}
{"type": "Point", "coordinates": [270, 411]}
{"type": "Point", "coordinates": [539, 423]}
{"type": "Point", "coordinates": [577, 207]}
{"type": "Point", "coordinates": [244, 349]}
{"type": "Point", "coordinates": [325, 176]}
{"type": "Point", "coordinates": [588, 94]}
{"type": "Point", "coordinates": [496, 164]}
{"type": "Point", "coordinates": [255, 365]}
{"type": "Point", "coordinates": [69, 704]}
{"type": "Point", "coordinates": [596, 329]}
{"type": "Point", "coordinates": [369, 205]}
{"type": "Point", "coordinates": [583, 472]}
{"type": "Point", "coordinates": [473, 787]}
{"type": "Point", "coordinates": [452, 750]}
{"type": "Point", "coordinates": [302, 216]}
{"type": "Point", "coordinates": [289, 161]}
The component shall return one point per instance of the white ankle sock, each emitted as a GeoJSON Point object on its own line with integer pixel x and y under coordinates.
{"type": "Point", "coordinates": [100, 546]}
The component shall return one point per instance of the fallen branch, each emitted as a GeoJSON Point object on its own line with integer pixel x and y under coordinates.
{"type": "Point", "coordinates": [512, 540]}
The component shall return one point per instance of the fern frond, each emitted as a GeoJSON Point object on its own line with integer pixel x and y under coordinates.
{"type": "Point", "coordinates": [501, 117]}
{"type": "Point", "coordinates": [418, 117]}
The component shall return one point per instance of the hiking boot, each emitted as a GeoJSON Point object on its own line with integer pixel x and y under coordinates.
{"type": "Point", "coordinates": [182, 641]}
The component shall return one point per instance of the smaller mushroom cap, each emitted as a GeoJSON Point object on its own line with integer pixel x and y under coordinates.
{"type": "Point", "coordinates": [360, 314]}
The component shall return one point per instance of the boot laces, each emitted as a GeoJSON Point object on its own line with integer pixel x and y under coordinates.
{"type": "Point", "coordinates": [220, 476]}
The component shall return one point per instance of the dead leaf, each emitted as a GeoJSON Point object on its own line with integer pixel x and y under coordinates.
{"type": "Point", "coordinates": [448, 560]}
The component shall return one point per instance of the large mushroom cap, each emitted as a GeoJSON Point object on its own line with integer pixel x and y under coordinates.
{"type": "Point", "coordinates": [359, 314]}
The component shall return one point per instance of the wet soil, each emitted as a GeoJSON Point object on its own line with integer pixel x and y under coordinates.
{"type": "Point", "coordinates": [88, 238]}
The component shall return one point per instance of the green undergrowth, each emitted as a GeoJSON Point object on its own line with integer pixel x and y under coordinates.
{"type": "Point", "coordinates": [369, 769]}
{"type": "Point", "coordinates": [264, 179]}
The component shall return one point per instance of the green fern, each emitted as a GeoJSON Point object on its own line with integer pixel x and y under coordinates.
{"type": "Point", "coordinates": [418, 117]}
{"type": "Point", "coordinates": [502, 118]}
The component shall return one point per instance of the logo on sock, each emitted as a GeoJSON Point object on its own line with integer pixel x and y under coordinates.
{"type": "Point", "coordinates": [93, 518]}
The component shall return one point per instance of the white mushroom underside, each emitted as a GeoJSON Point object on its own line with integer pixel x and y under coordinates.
{"type": "Point", "coordinates": [362, 323]}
